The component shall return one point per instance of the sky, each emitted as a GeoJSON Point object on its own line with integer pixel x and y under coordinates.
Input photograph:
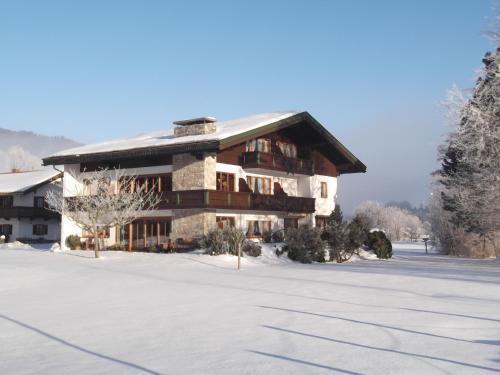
{"type": "Point", "coordinates": [374, 73]}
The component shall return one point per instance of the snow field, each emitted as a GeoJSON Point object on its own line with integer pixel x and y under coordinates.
{"type": "Point", "coordinates": [131, 313]}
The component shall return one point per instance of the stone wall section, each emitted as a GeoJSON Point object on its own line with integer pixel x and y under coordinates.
{"type": "Point", "coordinates": [193, 172]}
{"type": "Point", "coordinates": [196, 129]}
{"type": "Point", "coordinates": [191, 224]}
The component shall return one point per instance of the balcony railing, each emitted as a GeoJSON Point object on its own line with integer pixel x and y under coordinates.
{"type": "Point", "coordinates": [277, 162]}
{"type": "Point", "coordinates": [235, 201]}
{"type": "Point", "coordinates": [18, 212]}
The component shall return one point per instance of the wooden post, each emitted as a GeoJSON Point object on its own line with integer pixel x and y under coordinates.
{"type": "Point", "coordinates": [130, 236]}
{"type": "Point", "coordinates": [158, 233]}
{"type": "Point", "coordinates": [239, 256]}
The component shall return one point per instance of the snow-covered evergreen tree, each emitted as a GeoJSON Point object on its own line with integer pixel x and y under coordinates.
{"type": "Point", "coordinates": [470, 161]}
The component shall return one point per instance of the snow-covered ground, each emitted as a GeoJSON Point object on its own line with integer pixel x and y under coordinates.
{"type": "Point", "coordinates": [66, 313]}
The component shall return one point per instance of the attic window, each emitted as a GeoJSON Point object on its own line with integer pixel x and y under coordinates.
{"type": "Point", "coordinates": [261, 145]}
{"type": "Point", "coordinates": [287, 149]}
{"type": "Point", "coordinates": [6, 201]}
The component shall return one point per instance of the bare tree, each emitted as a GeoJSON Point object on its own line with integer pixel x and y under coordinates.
{"type": "Point", "coordinates": [236, 238]}
{"type": "Point", "coordinates": [22, 160]}
{"type": "Point", "coordinates": [398, 224]}
{"type": "Point", "coordinates": [102, 199]}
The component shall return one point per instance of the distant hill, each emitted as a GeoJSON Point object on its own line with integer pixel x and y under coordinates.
{"type": "Point", "coordinates": [31, 146]}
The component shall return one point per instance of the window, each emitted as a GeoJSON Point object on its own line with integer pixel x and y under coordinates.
{"type": "Point", "coordinates": [39, 202]}
{"type": "Point", "coordinates": [259, 185]}
{"type": "Point", "coordinates": [5, 229]}
{"type": "Point", "coordinates": [224, 221]}
{"type": "Point", "coordinates": [324, 190]}
{"type": "Point", "coordinates": [102, 233]}
{"type": "Point", "coordinates": [225, 181]}
{"type": "Point", "coordinates": [291, 222]}
{"type": "Point", "coordinates": [257, 228]}
{"type": "Point", "coordinates": [6, 201]}
{"type": "Point", "coordinates": [40, 229]}
{"type": "Point", "coordinates": [321, 222]}
{"type": "Point", "coordinates": [166, 182]}
{"type": "Point", "coordinates": [287, 149]}
{"type": "Point", "coordinates": [261, 145]}
{"type": "Point", "coordinates": [87, 187]}
{"type": "Point", "coordinates": [153, 183]}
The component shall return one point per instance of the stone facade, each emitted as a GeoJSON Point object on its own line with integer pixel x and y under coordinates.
{"type": "Point", "coordinates": [193, 172]}
{"type": "Point", "coordinates": [195, 129]}
{"type": "Point", "coordinates": [190, 224]}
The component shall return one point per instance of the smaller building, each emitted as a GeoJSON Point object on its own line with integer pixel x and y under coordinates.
{"type": "Point", "coordinates": [23, 213]}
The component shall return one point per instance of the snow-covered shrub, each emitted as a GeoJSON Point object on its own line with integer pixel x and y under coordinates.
{"type": "Point", "coordinates": [267, 237]}
{"type": "Point", "coordinates": [214, 242]}
{"type": "Point", "coordinates": [73, 242]}
{"type": "Point", "coordinates": [380, 244]}
{"type": "Point", "coordinates": [344, 238]}
{"type": "Point", "coordinates": [116, 246]}
{"type": "Point", "coordinates": [235, 239]}
{"type": "Point", "coordinates": [252, 249]}
{"type": "Point", "coordinates": [278, 236]}
{"type": "Point", "coordinates": [304, 244]}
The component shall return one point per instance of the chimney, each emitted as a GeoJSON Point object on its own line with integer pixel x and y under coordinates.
{"type": "Point", "coordinates": [195, 126]}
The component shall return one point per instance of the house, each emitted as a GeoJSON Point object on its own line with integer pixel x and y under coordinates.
{"type": "Point", "coordinates": [261, 173]}
{"type": "Point", "coordinates": [23, 216]}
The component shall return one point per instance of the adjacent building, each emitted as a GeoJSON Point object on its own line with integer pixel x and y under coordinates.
{"type": "Point", "coordinates": [261, 173]}
{"type": "Point", "coordinates": [23, 214]}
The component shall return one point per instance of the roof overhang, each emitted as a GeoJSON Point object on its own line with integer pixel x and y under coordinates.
{"type": "Point", "coordinates": [350, 163]}
{"type": "Point", "coordinates": [133, 153]}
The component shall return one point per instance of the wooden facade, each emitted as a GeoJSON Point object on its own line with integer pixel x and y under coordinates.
{"type": "Point", "coordinates": [312, 156]}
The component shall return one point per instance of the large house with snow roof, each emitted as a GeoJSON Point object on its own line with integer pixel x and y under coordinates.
{"type": "Point", "coordinates": [261, 173]}
{"type": "Point", "coordinates": [23, 213]}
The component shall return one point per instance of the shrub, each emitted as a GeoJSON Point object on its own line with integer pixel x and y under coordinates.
{"type": "Point", "coordinates": [116, 246]}
{"type": "Point", "coordinates": [235, 239]}
{"type": "Point", "coordinates": [73, 242]}
{"type": "Point", "coordinates": [344, 238]}
{"type": "Point", "coordinates": [267, 237]}
{"type": "Point", "coordinates": [252, 249]}
{"type": "Point", "coordinates": [304, 244]}
{"type": "Point", "coordinates": [214, 242]}
{"type": "Point", "coordinates": [380, 244]}
{"type": "Point", "coordinates": [278, 236]}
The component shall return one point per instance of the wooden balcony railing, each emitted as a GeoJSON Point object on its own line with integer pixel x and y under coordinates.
{"type": "Point", "coordinates": [235, 201]}
{"type": "Point", "coordinates": [277, 162]}
{"type": "Point", "coordinates": [17, 212]}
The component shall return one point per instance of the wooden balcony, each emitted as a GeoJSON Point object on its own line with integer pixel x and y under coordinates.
{"type": "Point", "coordinates": [235, 201]}
{"type": "Point", "coordinates": [30, 212]}
{"type": "Point", "coordinates": [265, 160]}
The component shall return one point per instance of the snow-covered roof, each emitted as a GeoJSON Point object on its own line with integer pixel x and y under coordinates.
{"type": "Point", "coordinates": [20, 182]}
{"type": "Point", "coordinates": [225, 129]}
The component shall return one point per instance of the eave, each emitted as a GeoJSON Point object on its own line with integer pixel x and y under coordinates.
{"type": "Point", "coordinates": [133, 153]}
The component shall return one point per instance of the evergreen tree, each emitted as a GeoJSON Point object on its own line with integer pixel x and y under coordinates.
{"type": "Point", "coordinates": [470, 162]}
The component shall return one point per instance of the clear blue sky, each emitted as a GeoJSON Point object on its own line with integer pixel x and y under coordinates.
{"type": "Point", "coordinates": [99, 69]}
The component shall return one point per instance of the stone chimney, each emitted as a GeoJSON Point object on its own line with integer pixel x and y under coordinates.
{"type": "Point", "coordinates": [195, 126]}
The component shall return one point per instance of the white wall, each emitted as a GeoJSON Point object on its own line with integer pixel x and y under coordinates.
{"type": "Point", "coordinates": [72, 187]}
{"type": "Point", "coordinates": [23, 228]}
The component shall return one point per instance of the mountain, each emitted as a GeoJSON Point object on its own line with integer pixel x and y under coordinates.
{"type": "Point", "coordinates": [25, 149]}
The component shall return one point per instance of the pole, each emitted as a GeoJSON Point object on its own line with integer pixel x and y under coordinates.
{"type": "Point", "coordinates": [239, 256]}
